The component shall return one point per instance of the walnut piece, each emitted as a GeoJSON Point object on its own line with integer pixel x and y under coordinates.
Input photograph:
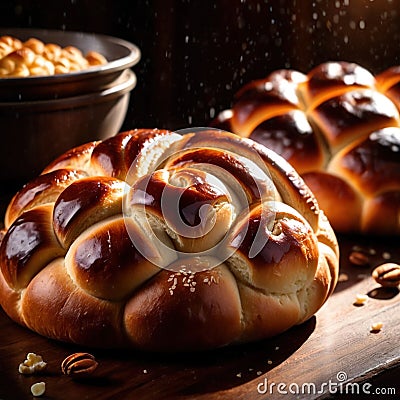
{"type": "Point", "coordinates": [33, 363]}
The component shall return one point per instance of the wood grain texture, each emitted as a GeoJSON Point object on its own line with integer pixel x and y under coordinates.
{"type": "Point", "coordinates": [337, 340]}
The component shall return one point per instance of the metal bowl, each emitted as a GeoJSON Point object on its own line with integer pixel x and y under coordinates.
{"type": "Point", "coordinates": [119, 53]}
{"type": "Point", "coordinates": [33, 133]}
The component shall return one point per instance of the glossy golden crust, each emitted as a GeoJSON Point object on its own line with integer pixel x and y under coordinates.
{"type": "Point", "coordinates": [292, 136]}
{"type": "Point", "coordinates": [340, 129]}
{"type": "Point", "coordinates": [334, 79]}
{"type": "Point", "coordinates": [160, 318]}
{"type": "Point", "coordinates": [73, 208]}
{"type": "Point", "coordinates": [41, 190]}
{"type": "Point", "coordinates": [165, 242]}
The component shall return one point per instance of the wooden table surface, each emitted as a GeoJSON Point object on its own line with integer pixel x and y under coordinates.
{"type": "Point", "coordinates": [323, 355]}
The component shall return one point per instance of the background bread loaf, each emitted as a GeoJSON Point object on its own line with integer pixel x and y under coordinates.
{"type": "Point", "coordinates": [339, 127]}
{"type": "Point", "coordinates": [166, 242]}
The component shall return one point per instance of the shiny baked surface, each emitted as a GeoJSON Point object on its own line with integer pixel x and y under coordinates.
{"type": "Point", "coordinates": [169, 242]}
{"type": "Point", "coordinates": [339, 126]}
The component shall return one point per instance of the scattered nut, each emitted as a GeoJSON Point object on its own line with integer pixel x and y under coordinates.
{"type": "Point", "coordinates": [38, 389]}
{"type": "Point", "coordinates": [33, 363]}
{"type": "Point", "coordinates": [359, 258]}
{"type": "Point", "coordinates": [79, 365]}
{"type": "Point", "coordinates": [376, 327]}
{"type": "Point", "coordinates": [360, 299]}
{"type": "Point", "coordinates": [387, 275]}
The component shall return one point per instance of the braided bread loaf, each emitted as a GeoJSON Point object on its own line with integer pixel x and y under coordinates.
{"type": "Point", "coordinates": [166, 242]}
{"type": "Point", "coordinates": [339, 128]}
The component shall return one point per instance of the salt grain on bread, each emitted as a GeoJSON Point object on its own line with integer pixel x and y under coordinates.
{"type": "Point", "coordinates": [108, 265]}
{"type": "Point", "coordinates": [338, 126]}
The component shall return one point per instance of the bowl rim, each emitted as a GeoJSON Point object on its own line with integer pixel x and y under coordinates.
{"type": "Point", "coordinates": [111, 66]}
{"type": "Point", "coordinates": [124, 85]}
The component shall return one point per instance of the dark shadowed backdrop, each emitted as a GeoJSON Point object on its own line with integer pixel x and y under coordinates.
{"type": "Point", "coordinates": [197, 54]}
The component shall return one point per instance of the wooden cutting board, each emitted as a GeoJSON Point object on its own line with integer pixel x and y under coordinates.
{"type": "Point", "coordinates": [333, 351]}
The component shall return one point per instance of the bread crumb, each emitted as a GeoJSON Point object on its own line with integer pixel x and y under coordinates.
{"type": "Point", "coordinates": [33, 363]}
{"type": "Point", "coordinates": [343, 277]}
{"type": "Point", "coordinates": [360, 300]}
{"type": "Point", "coordinates": [38, 389]}
{"type": "Point", "coordinates": [376, 327]}
{"type": "Point", "coordinates": [386, 255]}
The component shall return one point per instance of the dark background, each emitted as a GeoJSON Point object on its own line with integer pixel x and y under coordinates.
{"type": "Point", "coordinates": [197, 54]}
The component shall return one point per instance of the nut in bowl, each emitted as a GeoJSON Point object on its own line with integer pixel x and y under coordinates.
{"type": "Point", "coordinates": [34, 58]}
{"type": "Point", "coordinates": [78, 78]}
{"type": "Point", "coordinates": [44, 115]}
